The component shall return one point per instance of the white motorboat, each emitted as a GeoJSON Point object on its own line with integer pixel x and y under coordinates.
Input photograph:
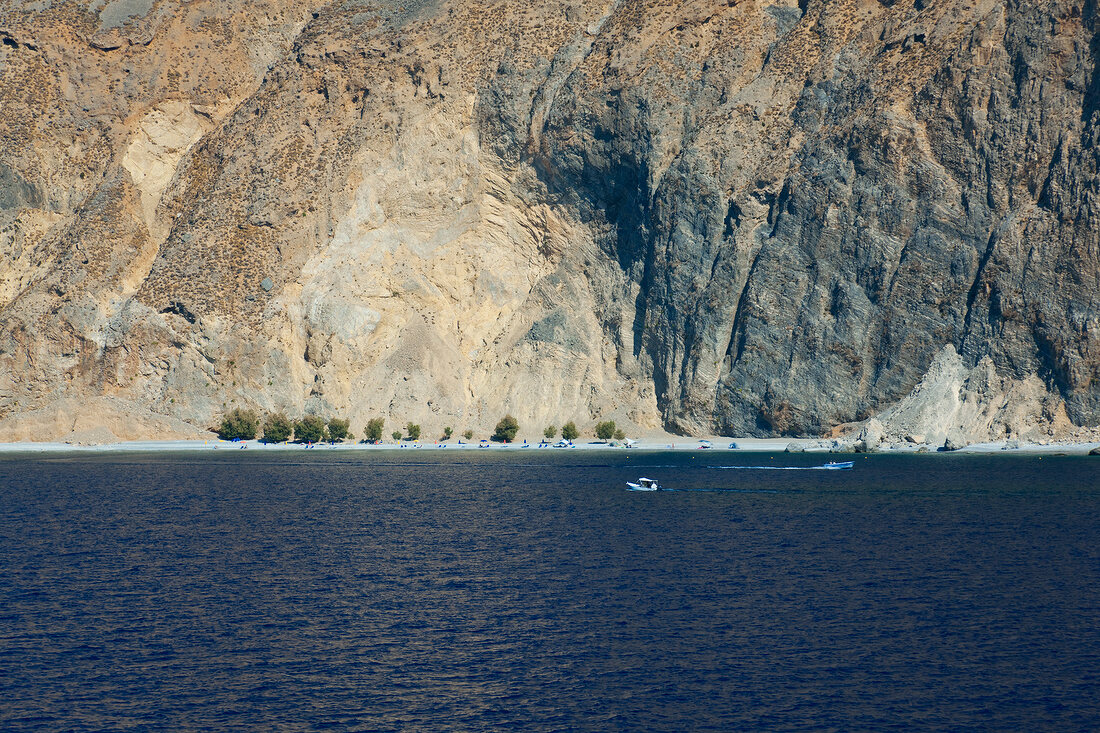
{"type": "Point", "coordinates": [838, 465]}
{"type": "Point", "coordinates": [644, 484]}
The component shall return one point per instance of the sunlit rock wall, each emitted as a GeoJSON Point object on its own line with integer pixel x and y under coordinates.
{"type": "Point", "coordinates": [709, 217]}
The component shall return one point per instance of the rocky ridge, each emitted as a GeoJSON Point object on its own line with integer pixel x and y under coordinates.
{"type": "Point", "coordinates": [713, 217]}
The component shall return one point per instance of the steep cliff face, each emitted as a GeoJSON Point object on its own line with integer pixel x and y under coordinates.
{"type": "Point", "coordinates": [744, 218]}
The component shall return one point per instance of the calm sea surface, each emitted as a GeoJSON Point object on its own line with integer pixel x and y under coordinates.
{"type": "Point", "coordinates": [527, 590]}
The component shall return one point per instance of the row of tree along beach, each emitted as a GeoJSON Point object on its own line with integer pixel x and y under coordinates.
{"type": "Point", "coordinates": [276, 427]}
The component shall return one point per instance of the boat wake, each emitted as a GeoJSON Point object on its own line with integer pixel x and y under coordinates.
{"type": "Point", "coordinates": [729, 491]}
{"type": "Point", "coordinates": [825, 467]}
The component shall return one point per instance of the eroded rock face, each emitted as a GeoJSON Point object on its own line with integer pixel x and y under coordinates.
{"type": "Point", "coordinates": [745, 219]}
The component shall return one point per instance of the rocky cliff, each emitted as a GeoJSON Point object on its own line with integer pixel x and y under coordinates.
{"type": "Point", "coordinates": [707, 216]}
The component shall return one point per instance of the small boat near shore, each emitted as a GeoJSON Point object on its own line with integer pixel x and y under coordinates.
{"type": "Point", "coordinates": [644, 484]}
{"type": "Point", "coordinates": [838, 465]}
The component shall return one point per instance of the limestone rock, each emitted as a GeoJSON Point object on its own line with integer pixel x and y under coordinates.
{"type": "Point", "coordinates": [95, 421]}
{"type": "Point", "coordinates": [100, 435]}
{"type": "Point", "coordinates": [713, 217]}
{"type": "Point", "coordinates": [954, 442]}
{"type": "Point", "coordinates": [978, 404]}
{"type": "Point", "coordinates": [870, 437]}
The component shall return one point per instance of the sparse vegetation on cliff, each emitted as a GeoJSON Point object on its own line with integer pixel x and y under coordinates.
{"type": "Point", "coordinates": [310, 429]}
{"type": "Point", "coordinates": [569, 431]}
{"type": "Point", "coordinates": [506, 429]}
{"type": "Point", "coordinates": [239, 425]}
{"type": "Point", "coordinates": [605, 430]}
{"type": "Point", "coordinates": [372, 433]}
{"type": "Point", "coordinates": [338, 429]}
{"type": "Point", "coordinates": [277, 428]}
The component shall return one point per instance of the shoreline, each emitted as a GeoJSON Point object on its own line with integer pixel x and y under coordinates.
{"type": "Point", "coordinates": [723, 445]}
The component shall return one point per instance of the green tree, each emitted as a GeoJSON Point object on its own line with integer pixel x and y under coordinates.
{"type": "Point", "coordinates": [447, 433]}
{"type": "Point", "coordinates": [569, 431]}
{"type": "Point", "coordinates": [606, 429]}
{"type": "Point", "coordinates": [413, 431]}
{"type": "Point", "coordinates": [310, 429]}
{"type": "Point", "coordinates": [338, 429]}
{"type": "Point", "coordinates": [468, 434]}
{"type": "Point", "coordinates": [620, 434]}
{"type": "Point", "coordinates": [550, 432]}
{"type": "Point", "coordinates": [506, 430]}
{"type": "Point", "coordinates": [277, 428]}
{"type": "Point", "coordinates": [373, 431]}
{"type": "Point", "coordinates": [239, 423]}
{"type": "Point", "coordinates": [396, 435]}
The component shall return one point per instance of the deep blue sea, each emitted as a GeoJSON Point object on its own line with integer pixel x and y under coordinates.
{"type": "Point", "coordinates": [528, 590]}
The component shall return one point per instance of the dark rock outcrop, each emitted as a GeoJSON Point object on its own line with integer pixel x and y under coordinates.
{"type": "Point", "coordinates": [806, 240]}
